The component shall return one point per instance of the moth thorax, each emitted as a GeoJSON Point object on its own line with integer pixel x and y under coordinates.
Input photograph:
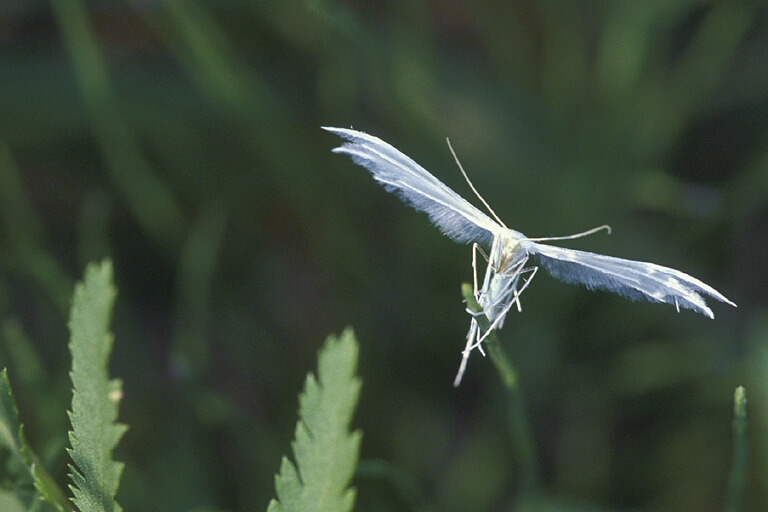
{"type": "Point", "coordinates": [506, 254]}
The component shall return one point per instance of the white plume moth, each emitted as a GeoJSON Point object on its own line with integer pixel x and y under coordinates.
{"type": "Point", "coordinates": [509, 251]}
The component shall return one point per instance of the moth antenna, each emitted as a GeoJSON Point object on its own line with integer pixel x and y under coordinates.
{"type": "Point", "coordinates": [605, 227]}
{"type": "Point", "coordinates": [469, 182]}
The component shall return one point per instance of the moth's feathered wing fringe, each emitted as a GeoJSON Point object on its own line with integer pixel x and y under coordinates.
{"type": "Point", "coordinates": [636, 280]}
{"type": "Point", "coordinates": [451, 213]}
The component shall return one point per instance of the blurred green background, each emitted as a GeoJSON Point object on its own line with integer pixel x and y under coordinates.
{"type": "Point", "coordinates": [181, 139]}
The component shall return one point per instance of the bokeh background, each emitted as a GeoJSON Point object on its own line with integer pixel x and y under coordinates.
{"type": "Point", "coordinates": [182, 140]}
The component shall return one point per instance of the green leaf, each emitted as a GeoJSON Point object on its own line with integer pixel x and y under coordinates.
{"type": "Point", "coordinates": [17, 470]}
{"type": "Point", "coordinates": [10, 426]}
{"type": "Point", "coordinates": [12, 437]}
{"type": "Point", "coordinates": [95, 399]}
{"type": "Point", "coordinates": [325, 451]}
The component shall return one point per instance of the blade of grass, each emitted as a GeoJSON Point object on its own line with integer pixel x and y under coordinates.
{"type": "Point", "coordinates": [196, 272]}
{"type": "Point", "coordinates": [24, 231]}
{"type": "Point", "coordinates": [738, 477]}
{"type": "Point", "coordinates": [147, 196]}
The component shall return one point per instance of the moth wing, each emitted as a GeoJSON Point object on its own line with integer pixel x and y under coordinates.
{"type": "Point", "coordinates": [636, 280]}
{"type": "Point", "coordinates": [451, 213]}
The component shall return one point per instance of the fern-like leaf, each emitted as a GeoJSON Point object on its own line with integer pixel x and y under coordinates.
{"type": "Point", "coordinates": [324, 450]}
{"type": "Point", "coordinates": [10, 426]}
{"type": "Point", "coordinates": [32, 482]}
{"type": "Point", "coordinates": [95, 399]}
{"type": "Point", "coordinates": [18, 492]}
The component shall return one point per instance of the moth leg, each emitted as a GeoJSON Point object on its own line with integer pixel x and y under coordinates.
{"type": "Point", "coordinates": [516, 300]}
{"type": "Point", "coordinates": [475, 249]}
{"type": "Point", "coordinates": [475, 336]}
{"type": "Point", "coordinates": [462, 368]}
{"type": "Point", "coordinates": [526, 282]}
{"type": "Point", "coordinates": [481, 251]}
{"type": "Point", "coordinates": [474, 328]}
{"type": "Point", "coordinates": [473, 332]}
{"type": "Point", "coordinates": [491, 328]}
{"type": "Point", "coordinates": [517, 293]}
{"type": "Point", "coordinates": [514, 271]}
{"type": "Point", "coordinates": [476, 291]}
{"type": "Point", "coordinates": [497, 322]}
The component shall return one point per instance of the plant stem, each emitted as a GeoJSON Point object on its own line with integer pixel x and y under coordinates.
{"type": "Point", "coordinates": [738, 476]}
{"type": "Point", "coordinates": [520, 430]}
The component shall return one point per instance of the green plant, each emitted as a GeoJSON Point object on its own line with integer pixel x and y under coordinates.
{"type": "Point", "coordinates": [95, 476]}
{"type": "Point", "coordinates": [325, 451]}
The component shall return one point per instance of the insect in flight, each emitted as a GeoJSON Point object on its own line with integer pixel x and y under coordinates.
{"type": "Point", "coordinates": [509, 251]}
